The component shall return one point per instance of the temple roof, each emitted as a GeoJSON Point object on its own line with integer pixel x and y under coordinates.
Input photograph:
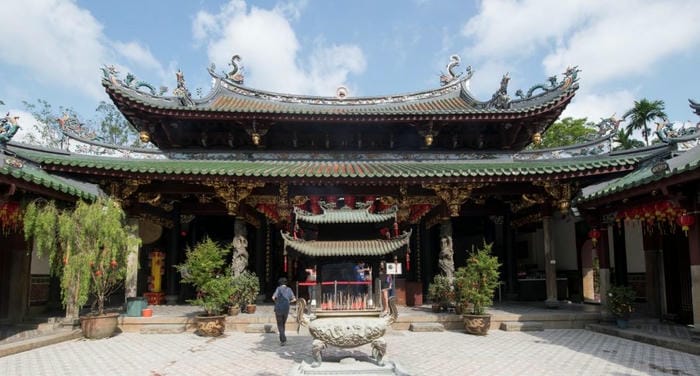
{"type": "Point", "coordinates": [453, 99]}
{"type": "Point", "coordinates": [235, 117]}
{"type": "Point", "coordinates": [377, 247]}
{"type": "Point", "coordinates": [506, 170]}
{"type": "Point", "coordinates": [345, 215]}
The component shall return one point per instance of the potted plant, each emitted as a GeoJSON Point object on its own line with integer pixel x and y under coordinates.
{"type": "Point", "coordinates": [620, 304]}
{"type": "Point", "coordinates": [475, 284]}
{"type": "Point", "coordinates": [441, 292]}
{"type": "Point", "coordinates": [87, 248]}
{"type": "Point", "coordinates": [204, 268]}
{"type": "Point", "coordinates": [247, 288]}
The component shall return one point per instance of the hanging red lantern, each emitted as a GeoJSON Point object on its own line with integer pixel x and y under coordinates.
{"type": "Point", "coordinates": [594, 235]}
{"type": "Point", "coordinates": [349, 201]}
{"type": "Point", "coordinates": [686, 220]}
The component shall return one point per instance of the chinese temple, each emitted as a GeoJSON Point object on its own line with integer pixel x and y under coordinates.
{"type": "Point", "coordinates": [313, 180]}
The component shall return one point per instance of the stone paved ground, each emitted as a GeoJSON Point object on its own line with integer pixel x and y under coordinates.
{"type": "Point", "coordinates": [551, 352]}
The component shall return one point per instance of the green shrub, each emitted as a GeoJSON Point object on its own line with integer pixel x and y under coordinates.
{"type": "Point", "coordinates": [621, 300]}
{"type": "Point", "coordinates": [476, 282]}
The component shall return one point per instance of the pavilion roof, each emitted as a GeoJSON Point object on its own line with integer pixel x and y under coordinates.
{"type": "Point", "coordinates": [376, 247]}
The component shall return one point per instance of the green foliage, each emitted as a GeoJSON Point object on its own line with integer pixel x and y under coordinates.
{"type": "Point", "coordinates": [624, 141]}
{"type": "Point", "coordinates": [567, 131]}
{"type": "Point", "coordinates": [621, 300]}
{"type": "Point", "coordinates": [205, 269]}
{"type": "Point", "coordinates": [441, 290]}
{"type": "Point", "coordinates": [246, 288]}
{"type": "Point", "coordinates": [476, 282]}
{"type": "Point", "coordinates": [643, 112]}
{"type": "Point", "coordinates": [87, 247]}
{"type": "Point", "coordinates": [114, 128]}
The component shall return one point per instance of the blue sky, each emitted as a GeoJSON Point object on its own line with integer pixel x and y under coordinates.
{"type": "Point", "coordinates": [626, 49]}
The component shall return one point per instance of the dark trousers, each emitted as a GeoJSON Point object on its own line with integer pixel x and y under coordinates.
{"type": "Point", "coordinates": [281, 322]}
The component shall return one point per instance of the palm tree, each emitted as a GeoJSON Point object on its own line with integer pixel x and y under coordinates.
{"type": "Point", "coordinates": [643, 112]}
{"type": "Point", "coordinates": [624, 141]}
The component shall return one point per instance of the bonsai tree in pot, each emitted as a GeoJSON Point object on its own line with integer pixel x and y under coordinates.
{"type": "Point", "coordinates": [87, 247]}
{"type": "Point", "coordinates": [475, 284]}
{"type": "Point", "coordinates": [441, 292]}
{"type": "Point", "coordinates": [621, 303]}
{"type": "Point", "coordinates": [247, 288]}
{"type": "Point", "coordinates": [204, 268]}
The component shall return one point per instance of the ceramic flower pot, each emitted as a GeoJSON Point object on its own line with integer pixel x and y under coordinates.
{"type": "Point", "coordinates": [99, 326]}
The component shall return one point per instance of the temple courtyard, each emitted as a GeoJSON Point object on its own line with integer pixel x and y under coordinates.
{"type": "Point", "coordinates": [141, 350]}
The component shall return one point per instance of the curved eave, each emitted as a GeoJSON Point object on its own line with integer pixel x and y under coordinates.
{"type": "Point", "coordinates": [446, 108]}
{"type": "Point", "coordinates": [317, 248]}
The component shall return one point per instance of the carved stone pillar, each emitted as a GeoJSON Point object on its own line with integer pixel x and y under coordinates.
{"type": "Point", "coordinates": [132, 263]}
{"type": "Point", "coordinates": [550, 264]}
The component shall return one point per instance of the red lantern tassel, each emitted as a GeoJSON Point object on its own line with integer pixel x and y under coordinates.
{"type": "Point", "coordinates": [408, 260]}
{"type": "Point", "coordinates": [285, 263]}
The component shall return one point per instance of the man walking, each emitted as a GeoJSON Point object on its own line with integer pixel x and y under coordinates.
{"type": "Point", "coordinates": [282, 297]}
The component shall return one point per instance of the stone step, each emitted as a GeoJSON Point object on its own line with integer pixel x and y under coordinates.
{"type": "Point", "coordinates": [517, 326]}
{"type": "Point", "coordinates": [261, 328]}
{"type": "Point", "coordinates": [162, 329]}
{"type": "Point", "coordinates": [426, 327]}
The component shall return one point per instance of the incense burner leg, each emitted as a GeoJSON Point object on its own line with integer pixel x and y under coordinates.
{"type": "Point", "coordinates": [378, 350]}
{"type": "Point", "coordinates": [316, 347]}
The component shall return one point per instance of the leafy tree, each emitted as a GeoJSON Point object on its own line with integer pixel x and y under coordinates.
{"type": "Point", "coordinates": [567, 131]}
{"type": "Point", "coordinates": [625, 141]}
{"type": "Point", "coordinates": [644, 112]}
{"type": "Point", "coordinates": [114, 128]}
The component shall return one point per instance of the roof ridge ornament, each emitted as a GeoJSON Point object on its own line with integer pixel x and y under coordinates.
{"type": "Point", "coordinates": [236, 74]}
{"type": "Point", "coordinates": [451, 75]}
{"type": "Point", "coordinates": [8, 127]}
{"type": "Point", "coordinates": [500, 99]}
{"type": "Point", "coordinates": [181, 90]}
{"type": "Point", "coordinates": [570, 77]}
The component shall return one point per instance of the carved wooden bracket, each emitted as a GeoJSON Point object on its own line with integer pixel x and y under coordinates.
{"type": "Point", "coordinates": [560, 193]}
{"type": "Point", "coordinates": [454, 195]}
{"type": "Point", "coordinates": [122, 191]}
{"type": "Point", "coordinates": [233, 193]}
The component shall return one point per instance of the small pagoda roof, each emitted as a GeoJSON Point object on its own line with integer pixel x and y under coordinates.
{"type": "Point", "coordinates": [378, 247]}
{"type": "Point", "coordinates": [33, 178]}
{"type": "Point", "coordinates": [695, 105]}
{"type": "Point", "coordinates": [486, 170]}
{"type": "Point", "coordinates": [345, 215]}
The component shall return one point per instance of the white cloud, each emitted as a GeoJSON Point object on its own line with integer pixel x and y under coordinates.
{"type": "Point", "coordinates": [608, 40]}
{"type": "Point", "coordinates": [58, 41]}
{"type": "Point", "coordinates": [271, 52]}
{"type": "Point", "coordinates": [612, 46]}
{"type": "Point", "coordinates": [595, 106]}
{"type": "Point", "coordinates": [61, 44]}
{"type": "Point", "coordinates": [138, 54]}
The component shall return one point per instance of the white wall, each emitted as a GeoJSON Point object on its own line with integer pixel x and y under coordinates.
{"type": "Point", "coordinates": [635, 247]}
{"type": "Point", "coordinates": [564, 242]}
